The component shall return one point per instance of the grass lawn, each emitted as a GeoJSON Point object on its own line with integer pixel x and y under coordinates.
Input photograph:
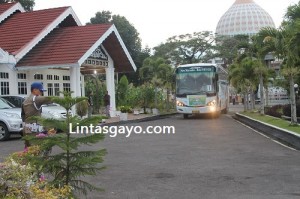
{"type": "Point", "coordinates": [281, 123]}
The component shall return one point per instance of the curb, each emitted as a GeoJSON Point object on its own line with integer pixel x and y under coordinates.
{"type": "Point", "coordinates": [146, 119]}
{"type": "Point", "coordinates": [281, 135]}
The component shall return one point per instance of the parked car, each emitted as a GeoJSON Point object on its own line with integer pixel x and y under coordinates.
{"type": "Point", "coordinates": [52, 110]}
{"type": "Point", "coordinates": [10, 119]}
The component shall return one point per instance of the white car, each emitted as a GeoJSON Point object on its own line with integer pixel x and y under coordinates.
{"type": "Point", "coordinates": [10, 120]}
{"type": "Point", "coordinates": [10, 114]}
{"type": "Point", "coordinates": [53, 110]}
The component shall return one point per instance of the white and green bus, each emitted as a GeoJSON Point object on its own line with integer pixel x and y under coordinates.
{"type": "Point", "coordinates": [200, 91]}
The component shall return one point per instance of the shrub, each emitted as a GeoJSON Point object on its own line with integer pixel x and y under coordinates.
{"type": "Point", "coordinates": [275, 111]}
{"type": "Point", "coordinates": [122, 91]}
{"type": "Point", "coordinates": [82, 108]}
{"type": "Point", "coordinates": [125, 109]}
{"type": "Point", "coordinates": [19, 178]}
{"type": "Point", "coordinates": [287, 110]}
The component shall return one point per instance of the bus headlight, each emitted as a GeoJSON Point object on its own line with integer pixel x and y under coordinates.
{"type": "Point", "coordinates": [179, 103]}
{"type": "Point", "coordinates": [212, 103]}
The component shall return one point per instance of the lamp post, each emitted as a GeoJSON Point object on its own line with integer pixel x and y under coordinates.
{"type": "Point", "coordinates": [268, 59]}
{"type": "Point", "coordinates": [296, 88]}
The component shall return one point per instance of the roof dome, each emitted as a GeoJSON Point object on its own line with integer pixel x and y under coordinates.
{"type": "Point", "coordinates": [244, 17]}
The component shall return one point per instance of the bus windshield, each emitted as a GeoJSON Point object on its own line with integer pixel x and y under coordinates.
{"type": "Point", "coordinates": [195, 83]}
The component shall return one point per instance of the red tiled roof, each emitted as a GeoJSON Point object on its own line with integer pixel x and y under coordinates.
{"type": "Point", "coordinates": [5, 6]}
{"type": "Point", "coordinates": [67, 45]}
{"type": "Point", "coordinates": [21, 28]}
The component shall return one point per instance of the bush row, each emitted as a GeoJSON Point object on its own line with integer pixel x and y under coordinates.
{"type": "Point", "coordinates": [279, 110]}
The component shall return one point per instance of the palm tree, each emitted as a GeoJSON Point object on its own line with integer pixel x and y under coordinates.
{"type": "Point", "coordinates": [285, 42]}
{"type": "Point", "coordinates": [157, 72]}
{"type": "Point", "coordinates": [242, 78]}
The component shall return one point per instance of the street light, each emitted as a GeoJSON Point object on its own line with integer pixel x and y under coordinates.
{"type": "Point", "coordinates": [296, 88]}
{"type": "Point", "coordinates": [268, 58]}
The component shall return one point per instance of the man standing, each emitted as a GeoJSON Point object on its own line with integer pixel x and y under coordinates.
{"type": "Point", "coordinates": [32, 106]}
{"type": "Point", "coordinates": [107, 104]}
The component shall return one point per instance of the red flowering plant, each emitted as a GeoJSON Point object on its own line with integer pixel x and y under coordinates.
{"type": "Point", "coordinates": [19, 178]}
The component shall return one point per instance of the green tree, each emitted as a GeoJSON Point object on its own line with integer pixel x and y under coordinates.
{"type": "Point", "coordinates": [229, 48]}
{"type": "Point", "coordinates": [285, 42]}
{"type": "Point", "coordinates": [82, 108]}
{"type": "Point", "coordinates": [147, 94]}
{"type": "Point", "coordinates": [158, 72]}
{"type": "Point", "coordinates": [130, 37]}
{"type": "Point", "coordinates": [69, 165]}
{"type": "Point", "coordinates": [186, 49]}
{"type": "Point", "coordinates": [122, 91]}
{"type": "Point", "coordinates": [242, 78]}
{"type": "Point", "coordinates": [96, 84]}
{"type": "Point", "coordinates": [27, 4]}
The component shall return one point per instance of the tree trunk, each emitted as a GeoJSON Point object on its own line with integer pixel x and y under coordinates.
{"type": "Point", "coordinates": [244, 102]}
{"type": "Point", "coordinates": [262, 99]}
{"type": "Point", "coordinates": [168, 100]}
{"type": "Point", "coordinates": [293, 102]}
{"type": "Point", "coordinates": [252, 100]}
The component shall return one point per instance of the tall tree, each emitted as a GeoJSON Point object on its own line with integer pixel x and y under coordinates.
{"type": "Point", "coordinates": [242, 78]}
{"type": "Point", "coordinates": [158, 72]}
{"type": "Point", "coordinates": [285, 42]}
{"type": "Point", "coordinates": [27, 4]}
{"type": "Point", "coordinates": [186, 49]}
{"type": "Point", "coordinates": [228, 48]}
{"type": "Point", "coordinates": [130, 37]}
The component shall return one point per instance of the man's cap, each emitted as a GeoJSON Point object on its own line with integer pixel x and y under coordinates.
{"type": "Point", "coordinates": [37, 85]}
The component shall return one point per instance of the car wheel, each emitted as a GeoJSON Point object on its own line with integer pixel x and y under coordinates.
{"type": "Point", "coordinates": [185, 116]}
{"type": "Point", "coordinates": [4, 134]}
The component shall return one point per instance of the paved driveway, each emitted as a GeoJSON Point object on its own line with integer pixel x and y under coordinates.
{"type": "Point", "coordinates": [205, 158]}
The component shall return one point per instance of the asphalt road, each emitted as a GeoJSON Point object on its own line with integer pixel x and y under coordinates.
{"type": "Point", "coordinates": [205, 159]}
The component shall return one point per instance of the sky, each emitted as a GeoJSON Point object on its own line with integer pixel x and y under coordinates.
{"type": "Point", "coordinates": [157, 20]}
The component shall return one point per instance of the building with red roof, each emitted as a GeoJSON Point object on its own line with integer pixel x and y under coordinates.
{"type": "Point", "coordinates": [53, 47]}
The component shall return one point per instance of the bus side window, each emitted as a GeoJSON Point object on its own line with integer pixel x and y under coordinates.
{"type": "Point", "coordinates": [216, 82]}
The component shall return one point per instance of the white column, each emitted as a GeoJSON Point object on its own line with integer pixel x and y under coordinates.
{"type": "Point", "coordinates": [75, 84]}
{"type": "Point", "coordinates": [75, 81]}
{"type": "Point", "coordinates": [110, 86]}
{"type": "Point", "coordinates": [83, 85]}
{"type": "Point", "coordinates": [13, 81]}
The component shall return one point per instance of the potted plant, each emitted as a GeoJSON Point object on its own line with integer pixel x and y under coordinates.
{"type": "Point", "coordinates": [124, 112]}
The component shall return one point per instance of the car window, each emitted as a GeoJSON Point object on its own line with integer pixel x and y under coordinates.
{"type": "Point", "coordinates": [5, 104]}
{"type": "Point", "coordinates": [15, 100]}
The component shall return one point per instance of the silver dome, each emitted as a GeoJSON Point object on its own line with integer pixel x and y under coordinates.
{"type": "Point", "coordinates": [244, 17]}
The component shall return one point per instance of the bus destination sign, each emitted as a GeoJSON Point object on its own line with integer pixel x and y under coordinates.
{"type": "Point", "coordinates": [196, 69]}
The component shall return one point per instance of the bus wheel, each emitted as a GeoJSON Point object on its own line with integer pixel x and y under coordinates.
{"type": "Point", "coordinates": [185, 116]}
{"type": "Point", "coordinates": [225, 111]}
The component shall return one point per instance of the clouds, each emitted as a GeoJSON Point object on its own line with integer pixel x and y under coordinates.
{"type": "Point", "coordinates": [158, 20]}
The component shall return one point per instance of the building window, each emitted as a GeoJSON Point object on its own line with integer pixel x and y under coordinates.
{"type": "Point", "coordinates": [3, 75]}
{"type": "Point", "coordinates": [38, 76]}
{"type": "Point", "coordinates": [66, 87]}
{"type": "Point", "coordinates": [22, 88]}
{"type": "Point", "coordinates": [56, 89]}
{"type": "Point", "coordinates": [56, 77]}
{"type": "Point", "coordinates": [4, 88]}
{"type": "Point", "coordinates": [21, 75]}
{"type": "Point", "coordinates": [49, 77]}
{"type": "Point", "coordinates": [50, 89]}
{"type": "Point", "coordinates": [66, 78]}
